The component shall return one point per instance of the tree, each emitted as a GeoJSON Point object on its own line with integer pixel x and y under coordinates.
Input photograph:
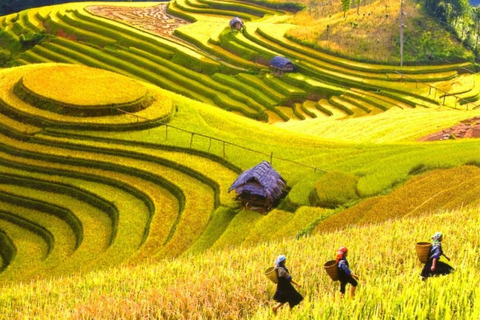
{"type": "Point", "coordinates": [444, 11]}
{"type": "Point", "coordinates": [476, 17]}
{"type": "Point", "coordinates": [346, 4]}
{"type": "Point", "coordinates": [462, 7]}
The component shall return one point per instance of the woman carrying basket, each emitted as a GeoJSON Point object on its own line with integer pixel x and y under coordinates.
{"type": "Point", "coordinates": [345, 275]}
{"type": "Point", "coordinates": [433, 265]}
{"type": "Point", "coordinates": [285, 291]}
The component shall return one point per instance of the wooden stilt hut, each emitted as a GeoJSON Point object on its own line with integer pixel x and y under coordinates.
{"type": "Point", "coordinates": [281, 64]}
{"type": "Point", "coordinates": [259, 188]}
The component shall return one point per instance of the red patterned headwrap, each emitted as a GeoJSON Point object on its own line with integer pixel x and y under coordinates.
{"type": "Point", "coordinates": [341, 252]}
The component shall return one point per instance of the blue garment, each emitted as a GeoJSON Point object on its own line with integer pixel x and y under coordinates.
{"type": "Point", "coordinates": [343, 265]}
{"type": "Point", "coordinates": [345, 275]}
{"type": "Point", "coordinates": [436, 251]}
{"type": "Point", "coordinates": [441, 268]}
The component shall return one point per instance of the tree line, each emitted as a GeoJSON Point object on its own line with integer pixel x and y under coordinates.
{"type": "Point", "coordinates": [462, 19]}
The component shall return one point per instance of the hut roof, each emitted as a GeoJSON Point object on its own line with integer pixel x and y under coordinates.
{"type": "Point", "coordinates": [235, 20]}
{"type": "Point", "coordinates": [261, 180]}
{"type": "Point", "coordinates": [280, 62]}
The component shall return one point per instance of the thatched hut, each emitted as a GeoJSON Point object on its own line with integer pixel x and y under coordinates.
{"type": "Point", "coordinates": [259, 188]}
{"type": "Point", "coordinates": [281, 64]}
{"type": "Point", "coordinates": [236, 24]}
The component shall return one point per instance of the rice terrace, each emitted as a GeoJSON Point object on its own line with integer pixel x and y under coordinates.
{"type": "Point", "coordinates": [156, 157]}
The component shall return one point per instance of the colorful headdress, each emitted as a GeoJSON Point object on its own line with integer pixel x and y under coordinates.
{"type": "Point", "coordinates": [341, 253]}
{"type": "Point", "coordinates": [281, 258]}
{"type": "Point", "coordinates": [437, 236]}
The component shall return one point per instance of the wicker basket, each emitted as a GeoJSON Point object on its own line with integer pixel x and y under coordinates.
{"type": "Point", "coordinates": [271, 274]}
{"type": "Point", "coordinates": [423, 251]}
{"type": "Point", "coordinates": [332, 270]}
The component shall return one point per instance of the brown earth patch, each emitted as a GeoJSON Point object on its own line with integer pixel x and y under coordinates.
{"type": "Point", "coordinates": [469, 128]}
{"type": "Point", "coordinates": [154, 19]}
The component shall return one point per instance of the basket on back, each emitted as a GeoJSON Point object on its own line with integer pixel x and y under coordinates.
{"type": "Point", "coordinates": [331, 269]}
{"type": "Point", "coordinates": [271, 274]}
{"type": "Point", "coordinates": [423, 251]}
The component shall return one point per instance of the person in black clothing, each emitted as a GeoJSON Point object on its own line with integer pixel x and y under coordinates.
{"type": "Point", "coordinates": [434, 266]}
{"type": "Point", "coordinates": [345, 275]}
{"type": "Point", "coordinates": [285, 291]}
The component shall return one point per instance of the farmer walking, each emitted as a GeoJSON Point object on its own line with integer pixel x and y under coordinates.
{"type": "Point", "coordinates": [434, 266]}
{"type": "Point", "coordinates": [345, 275]}
{"type": "Point", "coordinates": [285, 291]}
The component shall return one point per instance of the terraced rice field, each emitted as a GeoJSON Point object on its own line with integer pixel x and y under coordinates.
{"type": "Point", "coordinates": [230, 69]}
{"type": "Point", "coordinates": [114, 201]}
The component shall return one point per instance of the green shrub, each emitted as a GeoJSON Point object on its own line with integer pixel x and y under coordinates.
{"type": "Point", "coordinates": [334, 189]}
{"type": "Point", "coordinates": [7, 250]}
{"type": "Point", "coordinates": [299, 194]}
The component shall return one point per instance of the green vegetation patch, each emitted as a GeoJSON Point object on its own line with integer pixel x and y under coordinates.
{"type": "Point", "coordinates": [334, 189]}
{"type": "Point", "coordinates": [268, 226]}
{"type": "Point", "coordinates": [299, 194]}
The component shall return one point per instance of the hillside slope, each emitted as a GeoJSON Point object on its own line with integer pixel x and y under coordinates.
{"type": "Point", "coordinates": [123, 176]}
{"type": "Point", "coordinates": [227, 68]}
{"type": "Point", "coordinates": [138, 192]}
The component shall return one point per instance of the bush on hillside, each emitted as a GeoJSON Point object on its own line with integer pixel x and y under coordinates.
{"type": "Point", "coordinates": [334, 189]}
{"type": "Point", "coordinates": [299, 195]}
{"type": "Point", "coordinates": [29, 40]}
{"type": "Point", "coordinates": [431, 42]}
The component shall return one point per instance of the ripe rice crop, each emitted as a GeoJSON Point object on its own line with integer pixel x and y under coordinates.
{"type": "Point", "coordinates": [335, 188]}
{"type": "Point", "coordinates": [423, 194]}
{"type": "Point", "coordinates": [268, 226]}
{"type": "Point", "coordinates": [229, 284]}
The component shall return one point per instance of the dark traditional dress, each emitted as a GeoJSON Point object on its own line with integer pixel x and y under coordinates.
{"type": "Point", "coordinates": [345, 275]}
{"type": "Point", "coordinates": [285, 291]}
{"type": "Point", "coordinates": [441, 268]}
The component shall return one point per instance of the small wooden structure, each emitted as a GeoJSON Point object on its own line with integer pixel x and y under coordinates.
{"type": "Point", "coordinates": [237, 24]}
{"type": "Point", "coordinates": [259, 188]}
{"type": "Point", "coordinates": [281, 64]}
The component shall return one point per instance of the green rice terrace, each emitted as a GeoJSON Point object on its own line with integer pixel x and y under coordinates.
{"type": "Point", "coordinates": [120, 140]}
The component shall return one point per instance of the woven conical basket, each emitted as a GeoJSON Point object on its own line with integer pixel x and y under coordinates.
{"type": "Point", "coordinates": [271, 274]}
{"type": "Point", "coordinates": [423, 251]}
{"type": "Point", "coordinates": [332, 270]}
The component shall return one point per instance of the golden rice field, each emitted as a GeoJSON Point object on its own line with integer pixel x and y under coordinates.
{"type": "Point", "coordinates": [229, 284]}
{"type": "Point", "coordinates": [441, 189]}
